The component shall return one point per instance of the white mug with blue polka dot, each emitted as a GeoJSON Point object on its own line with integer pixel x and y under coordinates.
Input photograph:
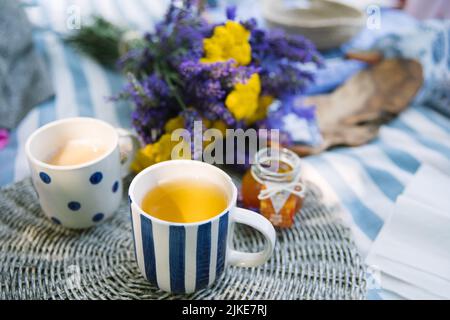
{"type": "Point", "coordinates": [79, 196]}
{"type": "Point", "coordinates": [186, 257]}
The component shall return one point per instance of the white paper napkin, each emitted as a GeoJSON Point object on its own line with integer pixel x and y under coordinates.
{"type": "Point", "coordinates": [406, 289]}
{"type": "Point", "coordinates": [413, 249]}
{"type": "Point", "coordinates": [430, 186]}
{"type": "Point", "coordinates": [409, 282]}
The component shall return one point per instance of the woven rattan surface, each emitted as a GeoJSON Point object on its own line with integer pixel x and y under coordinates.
{"type": "Point", "coordinates": [315, 259]}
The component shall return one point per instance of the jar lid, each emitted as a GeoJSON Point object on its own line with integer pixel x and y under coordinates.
{"type": "Point", "coordinates": [268, 162]}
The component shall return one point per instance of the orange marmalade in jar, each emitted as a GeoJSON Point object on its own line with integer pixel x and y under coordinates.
{"type": "Point", "coordinates": [273, 186]}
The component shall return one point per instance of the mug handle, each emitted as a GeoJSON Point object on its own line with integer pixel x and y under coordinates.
{"type": "Point", "coordinates": [257, 221]}
{"type": "Point", "coordinates": [128, 145]}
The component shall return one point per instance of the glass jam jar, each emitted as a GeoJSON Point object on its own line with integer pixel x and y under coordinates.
{"type": "Point", "coordinates": [273, 186]}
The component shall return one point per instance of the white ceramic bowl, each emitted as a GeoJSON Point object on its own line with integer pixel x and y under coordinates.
{"type": "Point", "coordinates": [327, 23]}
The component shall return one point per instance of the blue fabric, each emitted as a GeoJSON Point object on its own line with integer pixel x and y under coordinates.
{"type": "Point", "coordinates": [334, 74]}
{"type": "Point", "coordinates": [429, 43]}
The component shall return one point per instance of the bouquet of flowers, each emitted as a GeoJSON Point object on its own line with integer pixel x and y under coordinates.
{"type": "Point", "coordinates": [225, 75]}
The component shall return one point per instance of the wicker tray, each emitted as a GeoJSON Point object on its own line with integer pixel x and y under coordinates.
{"type": "Point", "coordinates": [315, 259]}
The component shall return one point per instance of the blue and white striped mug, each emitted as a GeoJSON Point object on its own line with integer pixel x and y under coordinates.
{"type": "Point", "coordinates": [186, 257]}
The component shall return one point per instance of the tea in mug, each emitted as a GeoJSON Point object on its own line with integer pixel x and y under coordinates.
{"type": "Point", "coordinates": [77, 151]}
{"type": "Point", "coordinates": [185, 201]}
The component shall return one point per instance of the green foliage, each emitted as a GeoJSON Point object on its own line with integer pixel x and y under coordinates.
{"type": "Point", "coordinates": [100, 40]}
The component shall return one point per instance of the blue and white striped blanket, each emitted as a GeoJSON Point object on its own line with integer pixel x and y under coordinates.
{"type": "Point", "coordinates": [365, 180]}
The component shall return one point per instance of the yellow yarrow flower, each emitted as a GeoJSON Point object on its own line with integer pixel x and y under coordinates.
{"type": "Point", "coordinates": [152, 153]}
{"type": "Point", "coordinates": [264, 103]}
{"type": "Point", "coordinates": [221, 126]}
{"type": "Point", "coordinates": [161, 150]}
{"type": "Point", "coordinates": [230, 41]}
{"type": "Point", "coordinates": [206, 123]}
{"type": "Point", "coordinates": [243, 100]}
{"type": "Point", "coordinates": [157, 152]}
{"type": "Point", "coordinates": [173, 124]}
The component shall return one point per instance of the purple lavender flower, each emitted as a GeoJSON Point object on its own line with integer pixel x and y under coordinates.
{"type": "Point", "coordinates": [281, 58]}
{"type": "Point", "coordinates": [231, 12]}
{"type": "Point", "coordinates": [167, 78]}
